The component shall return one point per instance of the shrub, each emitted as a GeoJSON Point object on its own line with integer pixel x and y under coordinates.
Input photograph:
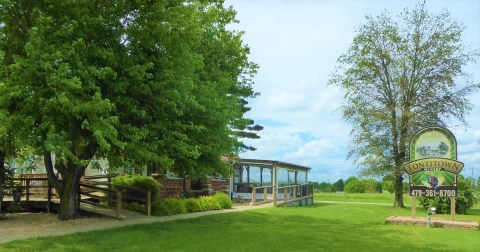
{"type": "Point", "coordinates": [223, 199]}
{"type": "Point", "coordinates": [405, 187]}
{"type": "Point", "coordinates": [193, 205]}
{"type": "Point", "coordinates": [138, 181]}
{"type": "Point", "coordinates": [355, 186]}
{"type": "Point", "coordinates": [371, 186]}
{"type": "Point", "coordinates": [209, 203]}
{"type": "Point", "coordinates": [349, 179]}
{"type": "Point", "coordinates": [156, 208]}
{"type": "Point", "coordinates": [338, 186]}
{"type": "Point", "coordinates": [187, 194]}
{"type": "Point", "coordinates": [134, 206]}
{"type": "Point", "coordinates": [467, 197]}
{"type": "Point", "coordinates": [387, 185]}
{"type": "Point", "coordinates": [325, 187]}
{"type": "Point", "coordinates": [15, 207]}
{"type": "Point", "coordinates": [168, 207]}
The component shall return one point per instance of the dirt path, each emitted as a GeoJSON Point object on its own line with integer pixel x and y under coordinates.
{"type": "Point", "coordinates": [28, 225]}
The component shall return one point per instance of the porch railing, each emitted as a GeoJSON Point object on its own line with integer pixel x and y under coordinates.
{"type": "Point", "coordinates": [286, 195]}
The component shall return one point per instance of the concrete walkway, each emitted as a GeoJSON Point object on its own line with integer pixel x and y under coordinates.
{"type": "Point", "coordinates": [133, 219]}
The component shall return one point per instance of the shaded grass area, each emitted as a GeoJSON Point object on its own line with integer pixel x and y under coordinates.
{"type": "Point", "coordinates": [321, 227]}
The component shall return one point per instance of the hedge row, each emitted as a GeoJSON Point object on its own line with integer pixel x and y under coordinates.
{"type": "Point", "coordinates": [181, 206]}
{"type": "Point", "coordinates": [170, 206]}
{"type": "Point", "coordinates": [138, 181]}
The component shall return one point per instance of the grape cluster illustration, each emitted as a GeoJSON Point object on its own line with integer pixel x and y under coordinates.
{"type": "Point", "coordinates": [433, 181]}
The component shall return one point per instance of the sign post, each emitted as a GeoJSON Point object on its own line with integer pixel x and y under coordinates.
{"type": "Point", "coordinates": [433, 166]}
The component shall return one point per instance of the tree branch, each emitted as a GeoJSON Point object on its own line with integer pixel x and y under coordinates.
{"type": "Point", "coordinates": [52, 179]}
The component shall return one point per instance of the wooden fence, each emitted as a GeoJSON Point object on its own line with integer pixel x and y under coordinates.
{"type": "Point", "coordinates": [96, 191]}
{"type": "Point", "coordinates": [90, 192]}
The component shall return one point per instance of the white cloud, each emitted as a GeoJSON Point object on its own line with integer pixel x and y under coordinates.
{"type": "Point", "coordinates": [296, 44]}
{"type": "Point", "coordinates": [313, 149]}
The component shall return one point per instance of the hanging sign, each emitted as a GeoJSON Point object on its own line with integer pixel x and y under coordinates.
{"type": "Point", "coordinates": [433, 166]}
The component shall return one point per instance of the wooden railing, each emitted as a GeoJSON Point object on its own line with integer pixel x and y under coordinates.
{"type": "Point", "coordinates": [263, 192]}
{"type": "Point", "coordinates": [25, 187]}
{"type": "Point", "coordinates": [103, 194]}
{"type": "Point", "coordinates": [90, 192]}
{"type": "Point", "coordinates": [293, 194]}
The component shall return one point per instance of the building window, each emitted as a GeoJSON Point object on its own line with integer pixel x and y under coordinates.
{"type": "Point", "coordinates": [255, 174]}
{"type": "Point", "coordinates": [266, 176]}
{"type": "Point", "coordinates": [282, 177]}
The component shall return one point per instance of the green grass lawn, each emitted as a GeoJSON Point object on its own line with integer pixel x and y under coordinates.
{"type": "Point", "coordinates": [381, 198]}
{"type": "Point", "coordinates": [321, 227]}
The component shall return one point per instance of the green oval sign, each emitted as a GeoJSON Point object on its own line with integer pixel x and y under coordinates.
{"type": "Point", "coordinates": [433, 166]}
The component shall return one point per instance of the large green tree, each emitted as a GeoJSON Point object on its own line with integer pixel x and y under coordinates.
{"type": "Point", "coordinates": [2, 161]}
{"type": "Point", "coordinates": [7, 141]}
{"type": "Point", "coordinates": [154, 83]}
{"type": "Point", "coordinates": [400, 75]}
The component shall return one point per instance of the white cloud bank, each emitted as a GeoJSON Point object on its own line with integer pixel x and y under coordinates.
{"type": "Point", "coordinates": [296, 44]}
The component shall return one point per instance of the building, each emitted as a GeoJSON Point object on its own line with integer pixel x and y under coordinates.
{"type": "Point", "coordinates": [268, 179]}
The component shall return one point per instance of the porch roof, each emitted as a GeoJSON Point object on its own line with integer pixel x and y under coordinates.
{"type": "Point", "coordinates": [272, 163]}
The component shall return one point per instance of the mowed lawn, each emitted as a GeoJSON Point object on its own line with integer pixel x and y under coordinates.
{"type": "Point", "coordinates": [380, 198]}
{"type": "Point", "coordinates": [321, 227]}
{"type": "Point", "coordinates": [375, 198]}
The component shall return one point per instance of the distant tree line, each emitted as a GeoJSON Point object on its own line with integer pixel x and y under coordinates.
{"type": "Point", "coordinates": [468, 191]}
{"type": "Point", "coordinates": [357, 185]}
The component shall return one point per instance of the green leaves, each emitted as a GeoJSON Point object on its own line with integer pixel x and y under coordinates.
{"type": "Point", "coordinates": [400, 75]}
{"type": "Point", "coordinates": [157, 83]}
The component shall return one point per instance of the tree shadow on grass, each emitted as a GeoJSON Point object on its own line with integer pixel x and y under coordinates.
{"type": "Point", "coordinates": [313, 228]}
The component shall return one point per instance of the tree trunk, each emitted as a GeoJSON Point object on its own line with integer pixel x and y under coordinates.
{"type": "Point", "coordinates": [398, 191]}
{"type": "Point", "coordinates": [398, 146]}
{"type": "Point", "coordinates": [2, 178]}
{"type": "Point", "coordinates": [69, 197]}
{"type": "Point", "coordinates": [400, 156]}
{"type": "Point", "coordinates": [67, 186]}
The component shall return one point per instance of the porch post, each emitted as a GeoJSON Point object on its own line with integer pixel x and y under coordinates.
{"type": "Point", "coordinates": [275, 184]}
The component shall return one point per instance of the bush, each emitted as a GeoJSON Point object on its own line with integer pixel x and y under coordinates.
{"type": "Point", "coordinates": [187, 195]}
{"type": "Point", "coordinates": [15, 207]}
{"type": "Point", "coordinates": [171, 206]}
{"type": "Point", "coordinates": [405, 187]}
{"type": "Point", "coordinates": [355, 186]}
{"type": "Point", "coordinates": [156, 208]}
{"type": "Point", "coordinates": [387, 185]}
{"type": "Point", "coordinates": [223, 199]}
{"type": "Point", "coordinates": [209, 203]}
{"type": "Point", "coordinates": [193, 205]}
{"type": "Point", "coordinates": [325, 187]}
{"type": "Point", "coordinates": [372, 186]}
{"type": "Point", "coordinates": [168, 207]}
{"type": "Point", "coordinates": [134, 206]}
{"type": "Point", "coordinates": [138, 181]}
{"type": "Point", "coordinates": [467, 197]}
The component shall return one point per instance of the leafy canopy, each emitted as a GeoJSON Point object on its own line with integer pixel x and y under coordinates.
{"type": "Point", "coordinates": [151, 83]}
{"type": "Point", "coordinates": [158, 83]}
{"type": "Point", "coordinates": [398, 76]}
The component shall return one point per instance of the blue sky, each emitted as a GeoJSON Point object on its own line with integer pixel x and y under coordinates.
{"type": "Point", "coordinates": [296, 44]}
